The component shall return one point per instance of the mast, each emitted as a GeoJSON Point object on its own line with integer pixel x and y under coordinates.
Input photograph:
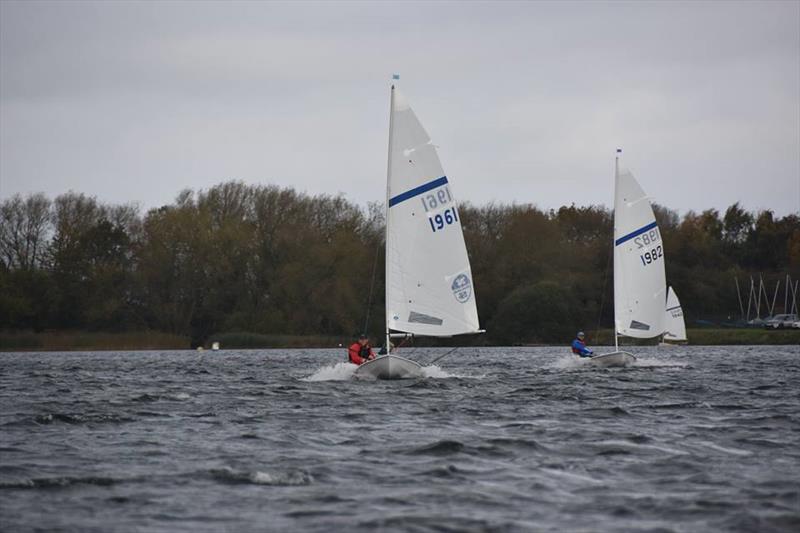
{"type": "Point", "coordinates": [786, 294]}
{"type": "Point", "coordinates": [613, 238]}
{"type": "Point", "coordinates": [739, 295]}
{"type": "Point", "coordinates": [664, 333]}
{"type": "Point", "coordinates": [386, 225]}
{"type": "Point", "coordinates": [774, 298]}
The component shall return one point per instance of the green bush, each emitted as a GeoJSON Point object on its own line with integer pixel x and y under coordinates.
{"type": "Point", "coordinates": [541, 312]}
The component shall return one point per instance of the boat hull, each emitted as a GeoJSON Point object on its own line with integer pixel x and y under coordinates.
{"type": "Point", "coordinates": [613, 359]}
{"type": "Point", "coordinates": [389, 367]}
{"type": "Point", "coordinates": [671, 344]}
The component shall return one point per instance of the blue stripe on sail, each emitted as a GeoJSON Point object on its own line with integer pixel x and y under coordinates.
{"type": "Point", "coordinates": [673, 308]}
{"type": "Point", "coordinates": [416, 191]}
{"type": "Point", "coordinates": [631, 235]}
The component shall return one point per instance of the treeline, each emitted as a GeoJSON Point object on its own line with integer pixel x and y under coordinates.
{"type": "Point", "coordinates": [269, 260]}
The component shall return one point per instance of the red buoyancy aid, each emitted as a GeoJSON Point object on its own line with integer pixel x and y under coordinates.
{"type": "Point", "coordinates": [358, 354]}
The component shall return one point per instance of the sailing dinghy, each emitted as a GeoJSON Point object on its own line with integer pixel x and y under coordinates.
{"type": "Point", "coordinates": [639, 279]}
{"type": "Point", "coordinates": [429, 289]}
{"type": "Point", "coordinates": [674, 326]}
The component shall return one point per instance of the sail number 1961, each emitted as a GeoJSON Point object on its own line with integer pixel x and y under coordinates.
{"type": "Point", "coordinates": [447, 217]}
{"type": "Point", "coordinates": [437, 200]}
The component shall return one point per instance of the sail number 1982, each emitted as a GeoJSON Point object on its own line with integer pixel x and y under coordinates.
{"type": "Point", "coordinates": [652, 255]}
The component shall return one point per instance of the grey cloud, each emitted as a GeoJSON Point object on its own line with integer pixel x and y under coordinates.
{"type": "Point", "coordinates": [132, 101]}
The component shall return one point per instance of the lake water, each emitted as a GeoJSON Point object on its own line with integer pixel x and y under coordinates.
{"type": "Point", "coordinates": [497, 439]}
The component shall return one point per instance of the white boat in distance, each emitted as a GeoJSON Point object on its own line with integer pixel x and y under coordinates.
{"type": "Point", "coordinates": [674, 325]}
{"type": "Point", "coordinates": [429, 290]}
{"type": "Point", "coordinates": [639, 279]}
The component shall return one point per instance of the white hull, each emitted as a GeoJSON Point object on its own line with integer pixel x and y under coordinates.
{"type": "Point", "coordinates": [389, 367]}
{"type": "Point", "coordinates": [613, 359]}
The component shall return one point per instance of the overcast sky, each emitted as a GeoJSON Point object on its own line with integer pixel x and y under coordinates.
{"type": "Point", "coordinates": [132, 102]}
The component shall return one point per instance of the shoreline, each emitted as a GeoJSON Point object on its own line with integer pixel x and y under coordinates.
{"type": "Point", "coordinates": [71, 341]}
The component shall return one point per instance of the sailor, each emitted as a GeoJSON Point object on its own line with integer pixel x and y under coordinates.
{"type": "Point", "coordinates": [360, 352]}
{"type": "Point", "coordinates": [383, 351]}
{"type": "Point", "coordinates": [579, 346]}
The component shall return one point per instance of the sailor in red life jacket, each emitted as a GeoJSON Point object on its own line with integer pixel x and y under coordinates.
{"type": "Point", "coordinates": [360, 352]}
{"type": "Point", "coordinates": [579, 346]}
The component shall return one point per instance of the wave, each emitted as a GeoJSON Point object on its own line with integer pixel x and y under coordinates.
{"type": "Point", "coordinates": [628, 447]}
{"type": "Point", "coordinates": [442, 447]}
{"type": "Point", "coordinates": [729, 451]}
{"type": "Point", "coordinates": [57, 482]}
{"type": "Point", "coordinates": [147, 398]}
{"type": "Point", "coordinates": [508, 442]}
{"type": "Point", "coordinates": [570, 477]}
{"type": "Point", "coordinates": [289, 478]}
{"type": "Point", "coordinates": [72, 419]}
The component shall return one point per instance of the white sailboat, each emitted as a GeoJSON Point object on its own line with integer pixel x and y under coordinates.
{"type": "Point", "coordinates": [639, 279]}
{"type": "Point", "coordinates": [674, 325]}
{"type": "Point", "coordinates": [429, 290]}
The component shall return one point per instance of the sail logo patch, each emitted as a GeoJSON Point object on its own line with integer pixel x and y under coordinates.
{"type": "Point", "coordinates": [462, 288]}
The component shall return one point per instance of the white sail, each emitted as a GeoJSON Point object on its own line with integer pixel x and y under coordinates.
{"type": "Point", "coordinates": [674, 326]}
{"type": "Point", "coordinates": [639, 280]}
{"type": "Point", "coordinates": [429, 288]}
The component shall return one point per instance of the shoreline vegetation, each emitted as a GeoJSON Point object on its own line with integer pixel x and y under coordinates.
{"type": "Point", "coordinates": [57, 341]}
{"type": "Point", "coordinates": [265, 259]}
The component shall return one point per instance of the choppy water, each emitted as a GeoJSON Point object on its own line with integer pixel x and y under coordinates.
{"type": "Point", "coordinates": [516, 439]}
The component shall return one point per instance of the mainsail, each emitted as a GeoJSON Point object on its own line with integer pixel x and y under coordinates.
{"type": "Point", "coordinates": [639, 280]}
{"type": "Point", "coordinates": [674, 325]}
{"type": "Point", "coordinates": [429, 289]}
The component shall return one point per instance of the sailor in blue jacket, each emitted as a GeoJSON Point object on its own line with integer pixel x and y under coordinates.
{"type": "Point", "coordinates": [579, 346]}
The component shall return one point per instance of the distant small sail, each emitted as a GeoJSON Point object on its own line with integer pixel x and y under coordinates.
{"type": "Point", "coordinates": [674, 324]}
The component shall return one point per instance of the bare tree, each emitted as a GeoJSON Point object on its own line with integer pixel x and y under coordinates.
{"type": "Point", "coordinates": [25, 227]}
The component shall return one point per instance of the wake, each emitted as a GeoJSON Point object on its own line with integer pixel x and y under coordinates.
{"type": "Point", "coordinates": [570, 362]}
{"type": "Point", "coordinates": [567, 362]}
{"type": "Point", "coordinates": [650, 362]}
{"type": "Point", "coordinates": [344, 371]}
{"type": "Point", "coordinates": [338, 372]}
{"type": "Point", "coordinates": [435, 372]}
